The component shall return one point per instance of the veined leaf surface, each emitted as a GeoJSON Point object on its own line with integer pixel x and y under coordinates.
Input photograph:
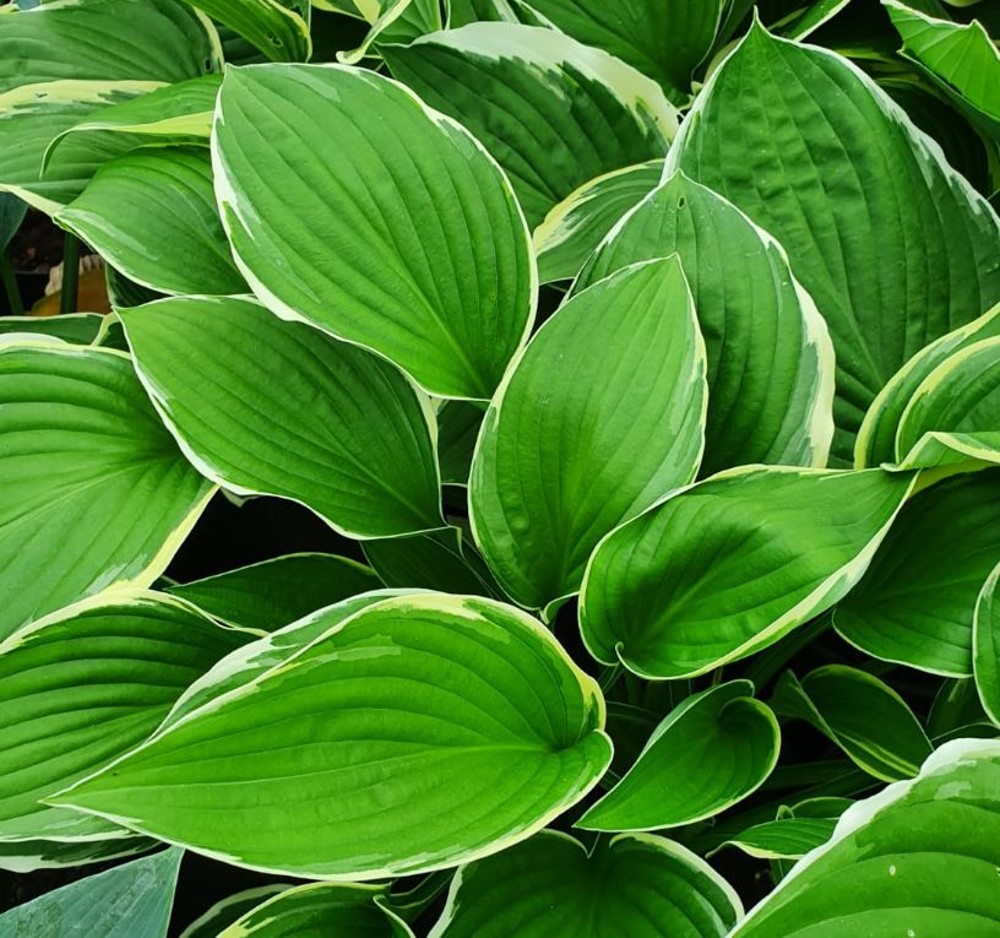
{"type": "Point", "coordinates": [422, 732]}
{"type": "Point", "coordinates": [418, 252]}
{"type": "Point", "coordinates": [731, 565]}
{"type": "Point", "coordinates": [600, 417]}
{"type": "Point", "coordinates": [264, 406]}
{"type": "Point", "coordinates": [278, 29]}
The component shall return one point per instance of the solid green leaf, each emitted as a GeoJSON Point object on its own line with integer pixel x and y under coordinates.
{"type": "Point", "coordinates": [601, 415]}
{"type": "Point", "coordinates": [920, 856]}
{"type": "Point", "coordinates": [273, 593]}
{"type": "Point", "coordinates": [712, 751]}
{"type": "Point", "coordinates": [915, 605]}
{"type": "Point", "coordinates": [458, 426]}
{"type": "Point", "coordinates": [770, 359]}
{"type": "Point", "coordinates": [124, 902]}
{"type": "Point", "coordinates": [730, 566]}
{"type": "Point", "coordinates": [876, 442]}
{"type": "Point", "coordinates": [278, 29]}
{"type": "Point", "coordinates": [573, 228]}
{"type": "Point", "coordinates": [344, 910]}
{"type": "Point", "coordinates": [553, 112]}
{"type": "Point", "coordinates": [664, 39]}
{"type": "Point", "coordinates": [420, 253]}
{"type": "Point", "coordinates": [895, 247]}
{"type": "Point", "coordinates": [346, 434]}
{"type": "Point", "coordinates": [95, 492]}
{"type": "Point", "coordinates": [422, 732]}
{"type": "Point", "coordinates": [12, 212]}
{"type": "Point", "coordinates": [862, 715]}
{"type": "Point", "coordinates": [986, 646]}
{"type": "Point", "coordinates": [151, 213]}
{"type": "Point", "coordinates": [635, 884]}
{"type": "Point", "coordinates": [83, 686]}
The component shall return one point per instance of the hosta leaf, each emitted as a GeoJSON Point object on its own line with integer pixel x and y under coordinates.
{"type": "Point", "coordinates": [712, 751]}
{"type": "Point", "coordinates": [151, 213]}
{"type": "Point", "coordinates": [865, 717]}
{"type": "Point", "coordinates": [27, 856]}
{"type": "Point", "coordinates": [986, 646]}
{"type": "Point", "coordinates": [731, 565]}
{"type": "Point", "coordinates": [419, 253]}
{"type": "Point", "coordinates": [106, 40]}
{"type": "Point", "coordinates": [915, 604]}
{"type": "Point", "coordinates": [815, 15]}
{"type": "Point", "coordinates": [920, 856]}
{"type": "Point", "coordinates": [12, 212]}
{"type": "Point", "coordinates": [876, 442]}
{"type": "Point", "coordinates": [664, 39]}
{"type": "Point", "coordinates": [960, 396]}
{"type": "Point", "coordinates": [794, 832]}
{"type": "Point", "coordinates": [955, 705]}
{"type": "Point", "coordinates": [554, 113]}
{"type": "Point", "coordinates": [75, 328]}
{"type": "Point", "coordinates": [960, 58]}
{"type": "Point", "coordinates": [347, 435]}
{"type": "Point", "coordinates": [600, 416]}
{"type": "Point", "coordinates": [85, 685]}
{"type": "Point", "coordinates": [129, 900]}
{"type": "Point", "coordinates": [275, 592]}
{"type": "Point", "coordinates": [458, 426]}
{"type": "Point", "coordinates": [347, 911]}
{"type": "Point", "coordinates": [570, 232]}
{"type": "Point", "coordinates": [895, 247]}
{"type": "Point", "coordinates": [228, 910]}
{"type": "Point", "coordinates": [396, 21]}
{"type": "Point", "coordinates": [636, 885]}
{"type": "Point", "coordinates": [95, 493]}
{"type": "Point", "coordinates": [770, 360]}
{"type": "Point", "coordinates": [422, 732]}
{"type": "Point", "coordinates": [278, 29]}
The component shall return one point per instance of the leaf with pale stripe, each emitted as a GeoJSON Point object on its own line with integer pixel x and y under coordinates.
{"type": "Point", "coordinates": [418, 252]}
{"type": "Point", "coordinates": [986, 646]}
{"type": "Point", "coordinates": [278, 29]}
{"type": "Point", "coordinates": [264, 406]}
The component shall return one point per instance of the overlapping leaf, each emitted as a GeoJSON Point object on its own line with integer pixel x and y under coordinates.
{"type": "Point", "coordinates": [278, 29]}
{"type": "Point", "coordinates": [418, 252]}
{"type": "Point", "coordinates": [986, 646]}
{"type": "Point", "coordinates": [287, 411]}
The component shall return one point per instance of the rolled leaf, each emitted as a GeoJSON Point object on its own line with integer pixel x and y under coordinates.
{"type": "Point", "coordinates": [862, 201]}
{"type": "Point", "coordinates": [554, 113]}
{"type": "Point", "coordinates": [278, 29]}
{"type": "Point", "coordinates": [636, 884]}
{"type": "Point", "coordinates": [264, 406]}
{"type": "Point", "coordinates": [711, 752]}
{"type": "Point", "coordinates": [601, 415]}
{"type": "Point", "coordinates": [779, 547]}
{"type": "Point", "coordinates": [770, 360]}
{"type": "Point", "coordinates": [420, 253]}
{"type": "Point", "coordinates": [95, 492]}
{"type": "Point", "coordinates": [420, 733]}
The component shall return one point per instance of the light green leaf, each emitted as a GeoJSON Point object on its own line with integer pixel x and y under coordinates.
{"type": "Point", "coordinates": [876, 442]}
{"type": "Point", "coordinates": [95, 493]}
{"type": "Point", "coordinates": [815, 15]}
{"type": "Point", "coordinates": [570, 232]}
{"type": "Point", "coordinates": [553, 112]}
{"type": "Point", "coordinates": [795, 831]}
{"type": "Point", "coordinates": [915, 605]}
{"type": "Point", "coordinates": [458, 426]}
{"type": "Point", "coordinates": [273, 593]}
{"type": "Point", "coordinates": [83, 686]}
{"type": "Point", "coordinates": [986, 646]}
{"type": "Point", "coordinates": [151, 213]}
{"type": "Point", "coordinates": [723, 569]}
{"type": "Point", "coordinates": [130, 900]}
{"type": "Point", "coordinates": [770, 359]}
{"type": "Point", "coordinates": [960, 58]}
{"type": "Point", "coordinates": [896, 248]}
{"type": "Point", "coordinates": [920, 856]}
{"type": "Point", "coordinates": [664, 39]}
{"type": "Point", "coordinates": [279, 30]}
{"type": "Point", "coordinates": [960, 396]}
{"type": "Point", "coordinates": [344, 910]}
{"type": "Point", "coordinates": [422, 732]}
{"type": "Point", "coordinates": [106, 41]}
{"type": "Point", "coordinates": [711, 752]}
{"type": "Point", "coordinates": [347, 435]}
{"type": "Point", "coordinates": [636, 885]}
{"type": "Point", "coordinates": [601, 415]}
{"type": "Point", "coordinates": [419, 253]}
{"type": "Point", "coordinates": [75, 328]}
{"type": "Point", "coordinates": [862, 715]}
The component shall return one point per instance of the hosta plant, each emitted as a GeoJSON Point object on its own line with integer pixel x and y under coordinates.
{"type": "Point", "coordinates": [640, 363]}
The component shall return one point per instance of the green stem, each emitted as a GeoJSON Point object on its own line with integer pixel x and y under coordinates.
{"type": "Point", "coordinates": [10, 285]}
{"type": "Point", "coordinates": [71, 274]}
